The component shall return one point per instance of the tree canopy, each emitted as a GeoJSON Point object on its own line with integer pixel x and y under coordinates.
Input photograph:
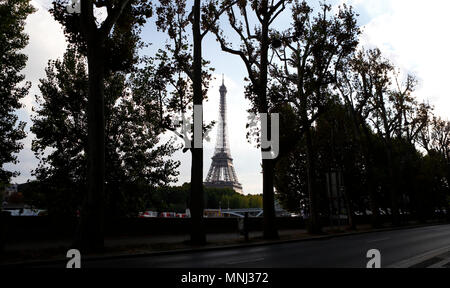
{"type": "Point", "coordinates": [12, 40]}
{"type": "Point", "coordinates": [134, 152]}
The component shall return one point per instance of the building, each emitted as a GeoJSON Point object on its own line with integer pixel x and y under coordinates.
{"type": "Point", "coordinates": [221, 173]}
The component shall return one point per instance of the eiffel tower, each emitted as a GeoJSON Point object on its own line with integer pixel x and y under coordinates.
{"type": "Point", "coordinates": [221, 173]}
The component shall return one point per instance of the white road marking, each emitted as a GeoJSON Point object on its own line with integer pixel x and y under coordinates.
{"type": "Point", "coordinates": [420, 258]}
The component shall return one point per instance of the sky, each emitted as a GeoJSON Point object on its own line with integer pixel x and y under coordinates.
{"type": "Point", "coordinates": [411, 33]}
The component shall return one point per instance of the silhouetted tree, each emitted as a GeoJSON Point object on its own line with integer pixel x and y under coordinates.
{"type": "Point", "coordinates": [12, 40]}
{"type": "Point", "coordinates": [174, 18]}
{"type": "Point", "coordinates": [254, 45]}
{"type": "Point", "coordinates": [290, 179]}
{"type": "Point", "coordinates": [435, 139]}
{"type": "Point", "coordinates": [309, 53]}
{"type": "Point", "coordinates": [109, 46]}
{"type": "Point", "coordinates": [384, 116]}
{"type": "Point", "coordinates": [352, 85]}
{"type": "Point", "coordinates": [134, 152]}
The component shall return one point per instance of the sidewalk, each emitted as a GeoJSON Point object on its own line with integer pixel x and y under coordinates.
{"type": "Point", "coordinates": [148, 243]}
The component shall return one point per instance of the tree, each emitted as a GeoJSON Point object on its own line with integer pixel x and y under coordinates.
{"type": "Point", "coordinates": [134, 153]}
{"type": "Point", "coordinates": [336, 149]}
{"type": "Point", "coordinates": [253, 50]}
{"type": "Point", "coordinates": [385, 114]}
{"type": "Point", "coordinates": [436, 136]}
{"type": "Point", "coordinates": [309, 54]}
{"type": "Point", "coordinates": [411, 116]}
{"type": "Point", "coordinates": [290, 179]}
{"type": "Point", "coordinates": [12, 39]}
{"type": "Point", "coordinates": [109, 46]}
{"type": "Point", "coordinates": [435, 139]}
{"type": "Point", "coordinates": [432, 191]}
{"type": "Point", "coordinates": [352, 85]}
{"type": "Point", "coordinates": [173, 18]}
{"type": "Point", "coordinates": [370, 87]}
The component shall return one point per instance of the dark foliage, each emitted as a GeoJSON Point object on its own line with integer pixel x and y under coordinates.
{"type": "Point", "coordinates": [134, 153]}
{"type": "Point", "coordinates": [12, 40]}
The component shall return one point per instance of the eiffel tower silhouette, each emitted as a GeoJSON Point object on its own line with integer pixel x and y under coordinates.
{"type": "Point", "coordinates": [221, 173]}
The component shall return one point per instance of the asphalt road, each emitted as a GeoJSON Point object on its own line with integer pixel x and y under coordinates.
{"type": "Point", "coordinates": [347, 251]}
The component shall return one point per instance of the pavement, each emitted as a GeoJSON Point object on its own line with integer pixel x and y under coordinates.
{"type": "Point", "coordinates": [418, 247]}
{"type": "Point", "coordinates": [136, 241]}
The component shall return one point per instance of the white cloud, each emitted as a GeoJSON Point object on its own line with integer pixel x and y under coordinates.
{"type": "Point", "coordinates": [371, 7]}
{"type": "Point", "coordinates": [413, 35]}
{"type": "Point", "coordinates": [46, 42]}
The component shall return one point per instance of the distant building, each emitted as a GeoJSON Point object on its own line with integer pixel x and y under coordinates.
{"type": "Point", "coordinates": [221, 173]}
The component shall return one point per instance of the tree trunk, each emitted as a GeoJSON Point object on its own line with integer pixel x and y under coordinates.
{"type": "Point", "coordinates": [198, 236]}
{"type": "Point", "coordinates": [350, 213]}
{"type": "Point", "coordinates": [270, 230]}
{"type": "Point", "coordinates": [314, 220]}
{"type": "Point", "coordinates": [92, 234]}
{"type": "Point", "coordinates": [348, 205]}
{"type": "Point", "coordinates": [368, 153]}
{"type": "Point", "coordinates": [314, 226]}
{"type": "Point", "coordinates": [391, 185]}
{"type": "Point", "coordinates": [448, 193]}
{"type": "Point", "coordinates": [390, 168]}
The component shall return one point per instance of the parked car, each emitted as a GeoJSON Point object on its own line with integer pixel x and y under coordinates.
{"type": "Point", "coordinates": [167, 214]}
{"type": "Point", "coordinates": [26, 212]}
{"type": "Point", "coordinates": [148, 214]}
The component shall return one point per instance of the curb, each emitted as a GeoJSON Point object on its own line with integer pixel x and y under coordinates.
{"type": "Point", "coordinates": [216, 248]}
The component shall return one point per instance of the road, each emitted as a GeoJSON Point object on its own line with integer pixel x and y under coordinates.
{"type": "Point", "coordinates": [346, 251]}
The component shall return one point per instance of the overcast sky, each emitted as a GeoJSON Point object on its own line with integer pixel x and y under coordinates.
{"type": "Point", "coordinates": [412, 33]}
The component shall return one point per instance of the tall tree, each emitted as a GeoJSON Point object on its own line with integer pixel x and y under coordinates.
{"type": "Point", "coordinates": [352, 84]}
{"type": "Point", "coordinates": [435, 139]}
{"type": "Point", "coordinates": [134, 154]}
{"type": "Point", "coordinates": [309, 54]}
{"type": "Point", "coordinates": [13, 14]}
{"type": "Point", "coordinates": [290, 179]}
{"type": "Point", "coordinates": [174, 18]}
{"type": "Point", "coordinates": [393, 113]}
{"type": "Point", "coordinates": [253, 49]}
{"type": "Point", "coordinates": [384, 116]}
{"type": "Point", "coordinates": [109, 46]}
